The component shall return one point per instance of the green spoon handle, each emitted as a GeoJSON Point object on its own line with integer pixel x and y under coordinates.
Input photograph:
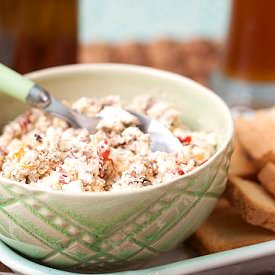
{"type": "Point", "coordinates": [14, 84]}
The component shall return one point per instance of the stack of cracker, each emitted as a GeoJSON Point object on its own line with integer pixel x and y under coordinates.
{"type": "Point", "coordinates": [246, 213]}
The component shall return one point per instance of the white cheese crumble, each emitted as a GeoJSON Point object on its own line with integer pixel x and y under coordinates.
{"type": "Point", "coordinates": [44, 151]}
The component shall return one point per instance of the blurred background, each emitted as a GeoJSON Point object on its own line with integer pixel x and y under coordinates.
{"type": "Point", "coordinates": [227, 45]}
{"type": "Point", "coordinates": [144, 20]}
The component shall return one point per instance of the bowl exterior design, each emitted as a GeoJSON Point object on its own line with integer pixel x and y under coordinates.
{"type": "Point", "coordinates": [113, 232]}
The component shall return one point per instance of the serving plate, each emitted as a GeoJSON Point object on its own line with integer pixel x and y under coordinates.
{"type": "Point", "coordinates": [250, 260]}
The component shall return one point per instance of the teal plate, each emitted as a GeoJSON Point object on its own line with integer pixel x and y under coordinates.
{"type": "Point", "coordinates": [254, 259]}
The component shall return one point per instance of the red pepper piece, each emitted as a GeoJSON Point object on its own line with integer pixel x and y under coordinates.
{"type": "Point", "coordinates": [180, 171]}
{"type": "Point", "coordinates": [185, 140]}
{"type": "Point", "coordinates": [105, 154]}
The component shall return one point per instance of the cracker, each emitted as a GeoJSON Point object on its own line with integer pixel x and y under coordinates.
{"type": "Point", "coordinates": [241, 163]}
{"type": "Point", "coordinates": [267, 178]}
{"type": "Point", "coordinates": [257, 136]}
{"type": "Point", "coordinates": [225, 229]}
{"type": "Point", "coordinates": [255, 205]}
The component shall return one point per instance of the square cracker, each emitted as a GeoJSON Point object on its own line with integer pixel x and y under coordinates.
{"type": "Point", "coordinates": [241, 163]}
{"type": "Point", "coordinates": [255, 205]}
{"type": "Point", "coordinates": [225, 229]}
{"type": "Point", "coordinates": [267, 178]}
{"type": "Point", "coordinates": [257, 135]}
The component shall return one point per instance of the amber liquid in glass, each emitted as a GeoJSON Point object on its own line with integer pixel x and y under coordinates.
{"type": "Point", "coordinates": [246, 78]}
{"type": "Point", "coordinates": [250, 47]}
{"type": "Point", "coordinates": [38, 34]}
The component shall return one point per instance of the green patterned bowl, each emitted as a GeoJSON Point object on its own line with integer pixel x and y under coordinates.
{"type": "Point", "coordinates": [110, 231]}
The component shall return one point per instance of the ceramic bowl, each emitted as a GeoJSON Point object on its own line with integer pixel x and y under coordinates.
{"type": "Point", "coordinates": [115, 230]}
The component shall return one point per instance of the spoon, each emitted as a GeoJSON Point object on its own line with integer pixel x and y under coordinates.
{"type": "Point", "coordinates": [25, 90]}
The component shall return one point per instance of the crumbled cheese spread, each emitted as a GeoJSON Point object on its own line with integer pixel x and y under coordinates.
{"type": "Point", "coordinates": [44, 151]}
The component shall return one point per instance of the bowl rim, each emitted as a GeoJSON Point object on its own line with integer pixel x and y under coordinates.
{"type": "Point", "coordinates": [59, 70]}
